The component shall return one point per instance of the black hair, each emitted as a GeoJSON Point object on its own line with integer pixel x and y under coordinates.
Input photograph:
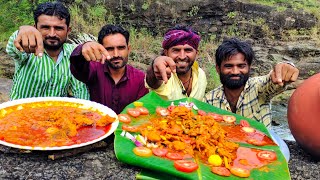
{"type": "Point", "coordinates": [232, 46]}
{"type": "Point", "coordinates": [52, 9]}
{"type": "Point", "coordinates": [112, 29]}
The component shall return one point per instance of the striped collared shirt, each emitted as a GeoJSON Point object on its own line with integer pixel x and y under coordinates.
{"type": "Point", "coordinates": [254, 101]}
{"type": "Point", "coordinates": [42, 76]}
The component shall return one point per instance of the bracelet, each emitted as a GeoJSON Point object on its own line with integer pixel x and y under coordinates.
{"type": "Point", "coordinates": [288, 62]}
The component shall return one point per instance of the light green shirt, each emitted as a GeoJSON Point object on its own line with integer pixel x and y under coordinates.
{"type": "Point", "coordinates": [42, 76]}
{"type": "Point", "coordinates": [174, 88]}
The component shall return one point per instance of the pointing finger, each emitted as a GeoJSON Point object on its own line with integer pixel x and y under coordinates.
{"type": "Point", "coordinates": [278, 72]}
{"type": "Point", "coordinates": [17, 44]}
{"type": "Point", "coordinates": [39, 48]}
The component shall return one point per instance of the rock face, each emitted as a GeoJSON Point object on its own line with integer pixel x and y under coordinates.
{"type": "Point", "coordinates": [5, 87]}
{"type": "Point", "coordinates": [216, 17]}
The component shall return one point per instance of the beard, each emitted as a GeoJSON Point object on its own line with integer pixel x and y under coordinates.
{"type": "Point", "coordinates": [234, 83]}
{"type": "Point", "coordinates": [117, 65]}
{"type": "Point", "coordinates": [184, 69]}
{"type": "Point", "coordinates": [53, 46]}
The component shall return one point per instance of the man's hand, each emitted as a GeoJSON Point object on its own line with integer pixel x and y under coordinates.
{"type": "Point", "coordinates": [163, 66]}
{"type": "Point", "coordinates": [284, 72]}
{"type": "Point", "coordinates": [93, 51]}
{"type": "Point", "coordinates": [29, 40]}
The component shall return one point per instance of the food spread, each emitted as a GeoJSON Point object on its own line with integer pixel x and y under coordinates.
{"type": "Point", "coordinates": [191, 137]}
{"type": "Point", "coordinates": [52, 124]}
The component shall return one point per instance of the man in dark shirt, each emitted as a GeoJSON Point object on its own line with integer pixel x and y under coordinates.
{"type": "Point", "coordinates": [103, 68]}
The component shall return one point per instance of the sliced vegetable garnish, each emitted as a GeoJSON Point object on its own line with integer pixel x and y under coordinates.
{"type": "Point", "coordinates": [202, 113]}
{"type": "Point", "coordinates": [244, 123]}
{"type": "Point", "coordinates": [125, 118]}
{"type": "Point", "coordinates": [185, 165]}
{"type": "Point", "coordinates": [216, 117]}
{"type": "Point", "coordinates": [142, 151]}
{"type": "Point", "coordinates": [152, 145]}
{"type": "Point", "coordinates": [141, 139]}
{"type": "Point", "coordinates": [170, 108]}
{"type": "Point", "coordinates": [267, 155]}
{"type": "Point", "coordinates": [229, 118]}
{"type": "Point", "coordinates": [174, 156]}
{"type": "Point", "coordinates": [132, 138]}
{"type": "Point", "coordinates": [222, 171]}
{"type": "Point", "coordinates": [240, 172]}
{"type": "Point", "coordinates": [162, 111]}
{"type": "Point", "coordinates": [248, 129]}
{"type": "Point", "coordinates": [160, 151]}
{"type": "Point", "coordinates": [133, 112]}
{"type": "Point", "coordinates": [257, 142]}
{"type": "Point", "coordinates": [143, 110]}
{"type": "Point", "coordinates": [130, 128]}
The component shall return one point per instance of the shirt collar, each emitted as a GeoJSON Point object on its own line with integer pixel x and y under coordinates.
{"type": "Point", "coordinates": [63, 53]}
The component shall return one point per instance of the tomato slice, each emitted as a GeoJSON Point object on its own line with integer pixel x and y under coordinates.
{"type": "Point", "coordinates": [216, 117]}
{"type": "Point", "coordinates": [130, 128]}
{"type": "Point", "coordinates": [229, 118]}
{"type": "Point", "coordinates": [142, 151]}
{"type": "Point", "coordinates": [133, 112]}
{"type": "Point", "coordinates": [125, 118]}
{"type": "Point", "coordinates": [162, 111]}
{"type": "Point", "coordinates": [240, 172]}
{"type": "Point", "coordinates": [244, 123]}
{"type": "Point", "coordinates": [171, 107]}
{"type": "Point", "coordinates": [143, 110]}
{"type": "Point", "coordinates": [202, 113]}
{"type": "Point", "coordinates": [257, 142]}
{"type": "Point", "coordinates": [160, 151]}
{"type": "Point", "coordinates": [222, 171]}
{"type": "Point", "coordinates": [267, 155]}
{"type": "Point", "coordinates": [174, 156]}
{"type": "Point", "coordinates": [185, 165]}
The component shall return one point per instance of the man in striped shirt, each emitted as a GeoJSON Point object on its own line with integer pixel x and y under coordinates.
{"type": "Point", "coordinates": [41, 56]}
{"type": "Point", "coordinates": [249, 97]}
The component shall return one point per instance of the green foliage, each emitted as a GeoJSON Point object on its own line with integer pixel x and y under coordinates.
{"type": "Point", "coordinates": [14, 14]}
{"type": "Point", "coordinates": [146, 5]}
{"type": "Point", "coordinates": [232, 15]}
{"type": "Point", "coordinates": [311, 72]}
{"type": "Point", "coordinates": [194, 11]}
{"type": "Point", "coordinates": [132, 7]}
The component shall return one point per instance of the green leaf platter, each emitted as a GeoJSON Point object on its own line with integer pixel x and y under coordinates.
{"type": "Point", "coordinates": [160, 168]}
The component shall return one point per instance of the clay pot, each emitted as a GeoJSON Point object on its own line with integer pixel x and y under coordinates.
{"type": "Point", "coordinates": [304, 115]}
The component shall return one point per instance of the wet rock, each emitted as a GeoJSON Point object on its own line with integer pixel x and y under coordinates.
{"type": "Point", "coordinates": [5, 86]}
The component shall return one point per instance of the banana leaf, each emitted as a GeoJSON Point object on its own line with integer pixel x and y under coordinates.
{"type": "Point", "coordinates": [160, 168]}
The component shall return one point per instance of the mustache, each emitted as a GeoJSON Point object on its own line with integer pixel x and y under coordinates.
{"type": "Point", "coordinates": [52, 38]}
{"type": "Point", "coordinates": [116, 58]}
{"type": "Point", "coordinates": [235, 75]}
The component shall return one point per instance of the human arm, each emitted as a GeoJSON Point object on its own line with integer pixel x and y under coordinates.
{"type": "Point", "coordinates": [93, 51]}
{"type": "Point", "coordinates": [29, 40]}
{"type": "Point", "coordinates": [13, 52]}
{"type": "Point", "coordinates": [79, 67]}
{"type": "Point", "coordinates": [160, 71]}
